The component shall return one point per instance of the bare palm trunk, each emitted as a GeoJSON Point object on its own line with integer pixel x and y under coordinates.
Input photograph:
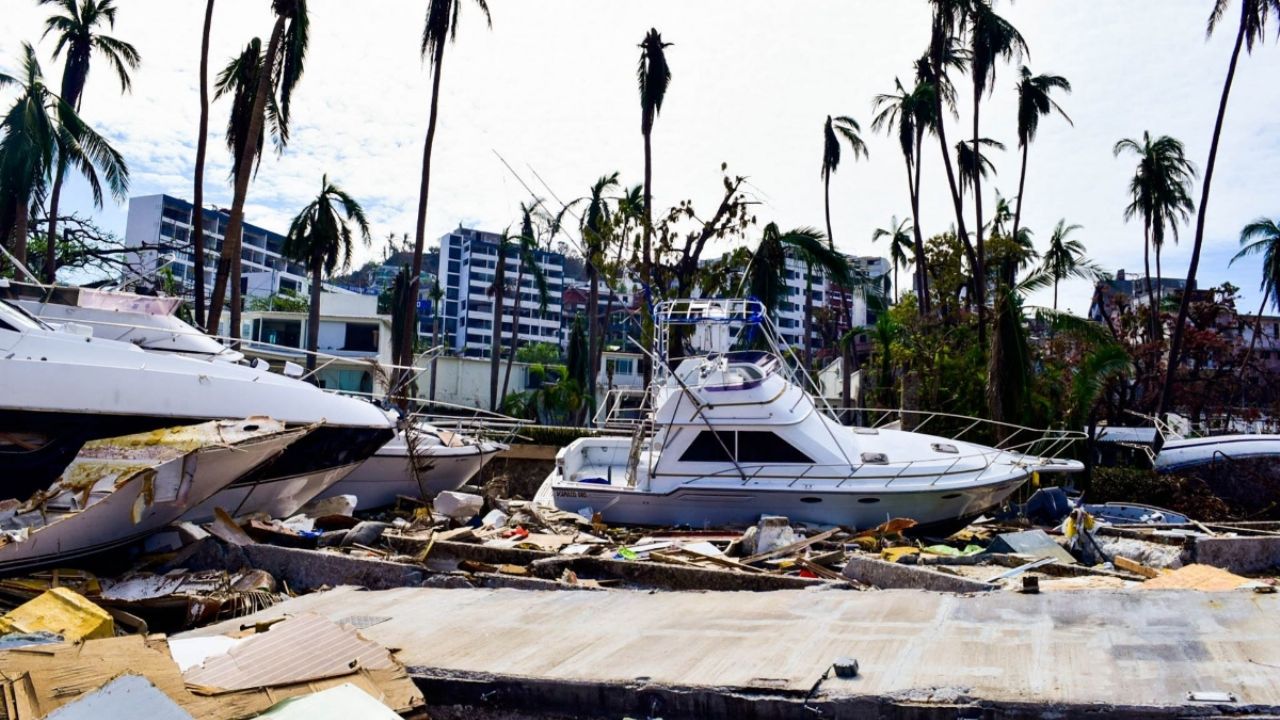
{"type": "Point", "coordinates": [957, 197]}
{"type": "Point", "coordinates": [51, 240]}
{"type": "Point", "coordinates": [646, 261]}
{"type": "Point", "coordinates": [926, 303]}
{"type": "Point", "coordinates": [980, 269]}
{"type": "Point", "coordinates": [405, 352]}
{"type": "Point", "coordinates": [896, 290]}
{"type": "Point", "coordinates": [229, 258]}
{"type": "Point", "coordinates": [1022, 185]}
{"type": "Point", "coordinates": [808, 319]}
{"type": "Point", "coordinates": [435, 344]}
{"type": "Point", "coordinates": [1176, 346]}
{"type": "Point", "coordinates": [20, 229]}
{"type": "Point", "coordinates": [1257, 330]}
{"type": "Point", "coordinates": [1151, 295]}
{"type": "Point", "coordinates": [197, 213]}
{"type": "Point", "coordinates": [495, 347]}
{"type": "Point", "coordinates": [313, 316]}
{"type": "Point", "coordinates": [826, 203]}
{"type": "Point", "coordinates": [593, 324]}
{"type": "Point", "coordinates": [515, 331]}
{"type": "Point", "coordinates": [919, 243]}
{"type": "Point", "coordinates": [1055, 293]}
{"type": "Point", "coordinates": [1159, 288]}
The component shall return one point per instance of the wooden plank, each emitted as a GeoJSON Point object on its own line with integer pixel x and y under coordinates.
{"type": "Point", "coordinates": [721, 560]}
{"type": "Point", "coordinates": [1135, 567]}
{"type": "Point", "coordinates": [793, 547]}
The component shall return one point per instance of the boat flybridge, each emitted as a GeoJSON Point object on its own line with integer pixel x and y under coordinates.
{"type": "Point", "coordinates": [733, 434]}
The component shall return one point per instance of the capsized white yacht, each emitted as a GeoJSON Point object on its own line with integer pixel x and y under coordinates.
{"type": "Point", "coordinates": [733, 435]}
{"type": "Point", "coordinates": [62, 387]}
{"type": "Point", "coordinates": [419, 462]}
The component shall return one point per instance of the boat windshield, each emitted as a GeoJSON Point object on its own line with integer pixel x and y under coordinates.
{"type": "Point", "coordinates": [16, 319]}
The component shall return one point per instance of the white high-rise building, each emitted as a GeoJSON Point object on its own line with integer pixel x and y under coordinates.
{"type": "Point", "coordinates": [468, 261]}
{"type": "Point", "coordinates": [159, 227]}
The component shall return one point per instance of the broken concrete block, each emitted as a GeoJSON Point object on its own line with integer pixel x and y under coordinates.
{"type": "Point", "coordinates": [883, 574]}
{"type": "Point", "coordinates": [1032, 543]}
{"type": "Point", "coordinates": [773, 532]}
{"type": "Point", "coordinates": [1238, 554]}
{"type": "Point", "coordinates": [458, 506]}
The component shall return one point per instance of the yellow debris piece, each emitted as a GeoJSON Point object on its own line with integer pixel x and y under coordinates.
{"type": "Point", "coordinates": [894, 554]}
{"type": "Point", "coordinates": [61, 611]}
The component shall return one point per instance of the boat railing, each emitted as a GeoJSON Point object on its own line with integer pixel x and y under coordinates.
{"type": "Point", "coordinates": [1007, 436]}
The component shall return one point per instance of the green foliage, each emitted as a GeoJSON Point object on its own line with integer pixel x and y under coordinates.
{"type": "Point", "coordinates": [539, 353]}
{"type": "Point", "coordinates": [284, 301]}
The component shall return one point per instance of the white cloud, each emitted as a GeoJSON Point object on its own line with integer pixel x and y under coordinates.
{"type": "Point", "coordinates": [552, 87]}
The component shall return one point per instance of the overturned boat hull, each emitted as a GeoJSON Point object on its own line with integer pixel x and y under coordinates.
{"type": "Point", "coordinates": [119, 491]}
{"type": "Point", "coordinates": [1194, 452]}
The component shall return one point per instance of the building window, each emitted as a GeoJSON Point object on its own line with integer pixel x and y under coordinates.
{"type": "Point", "coordinates": [361, 337]}
{"type": "Point", "coordinates": [287, 333]}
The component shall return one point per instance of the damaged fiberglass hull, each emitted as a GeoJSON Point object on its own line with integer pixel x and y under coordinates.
{"type": "Point", "coordinates": [120, 490]}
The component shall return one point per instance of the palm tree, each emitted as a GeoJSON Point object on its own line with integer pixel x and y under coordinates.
{"type": "Point", "coordinates": [282, 67]}
{"type": "Point", "coordinates": [1253, 25]}
{"type": "Point", "coordinates": [321, 237]}
{"type": "Point", "coordinates": [527, 252]}
{"type": "Point", "coordinates": [440, 28]}
{"type": "Point", "coordinates": [595, 240]}
{"type": "Point", "coordinates": [1034, 103]}
{"type": "Point", "coordinates": [904, 113]}
{"type": "Point", "coordinates": [901, 251]}
{"type": "Point", "coordinates": [991, 39]}
{"type": "Point", "coordinates": [1262, 237]}
{"type": "Point", "coordinates": [41, 129]}
{"type": "Point", "coordinates": [653, 76]}
{"type": "Point", "coordinates": [1159, 193]}
{"type": "Point", "coordinates": [945, 55]}
{"type": "Point", "coordinates": [498, 290]}
{"type": "Point", "coordinates": [76, 29]}
{"type": "Point", "coordinates": [1065, 258]}
{"type": "Point", "coordinates": [766, 275]}
{"type": "Point", "coordinates": [832, 130]}
{"type": "Point", "coordinates": [202, 142]}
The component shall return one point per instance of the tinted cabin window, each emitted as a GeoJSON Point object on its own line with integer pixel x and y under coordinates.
{"type": "Point", "coordinates": [706, 448]}
{"type": "Point", "coordinates": [759, 447]}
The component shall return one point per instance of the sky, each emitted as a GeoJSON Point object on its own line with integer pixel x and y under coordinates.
{"type": "Point", "coordinates": [551, 88]}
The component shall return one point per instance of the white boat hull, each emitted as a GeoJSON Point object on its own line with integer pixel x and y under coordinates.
{"type": "Point", "coordinates": [276, 497]}
{"type": "Point", "coordinates": [1191, 452]}
{"type": "Point", "coordinates": [726, 507]}
{"type": "Point", "coordinates": [378, 481]}
{"type": "Point", "coordinates": [110, 523]}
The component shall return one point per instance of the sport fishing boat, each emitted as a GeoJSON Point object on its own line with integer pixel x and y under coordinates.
{"type": "Point", "coordinates": [418, 462]}
{"type": "Point", "coordinates": [119, 490]}
{"type": "Point", "coordinates": [734, 435]}
{"type": "Point", "coordinates": [62, 387]}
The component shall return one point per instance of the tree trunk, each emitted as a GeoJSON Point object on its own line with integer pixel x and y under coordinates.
{"type": "Point", "coordinates": [515, 330]}
{"type": "Point", "coordinates": [826, 204]}
{"type": "Point", "coordinates": [646, 262]}
{"type": "Point", "coordinates": [1152, 311]}
{"type": "Point", "coordinates": [1185, 306]}
{"type": "Point", "coordinates": [435, 344]}
{"type": "Point", "coordinates": [926, 303]}
{"type": "Point", "coordinates": [197, 213]}
{"type": "Point", "coordinates": [956, 198]}
{"type": "Point", "coordinates": [1022, 184]}
{"type": "Point", "coordinates": [405, 352]}
{"type": "Point", "coordinates": [1257, 330]}
{"type": "Point", "coordinates": [922, 297]}
{"type": "Point", "coordinates": [1159, 292]}
{"type": "Point", "coordinates": [51, 242]}
{"type": "Point", "coordinates": [313, 316]}
{"type": "Point", "coordinates": [896, 293]}
{"type": "Point", "coordinates": [229, 258]}
{"type": "Point", "coordinates": [1055, 294]}
{"type": "Point", "coordinates": [20, 229]}
{"type": "Point", "coordinates": [980, 269]}
{"type": "Point", "coordinates": [593, 323]}
{"type": "Point", "coordinates": [495, 348]}
{"type": "Point", "coordinates": [808, 319]}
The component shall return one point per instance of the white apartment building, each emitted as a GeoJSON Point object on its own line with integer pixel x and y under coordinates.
{"type": "Point", "coordinates": [852, 306]}
{"type": "Point", "coordinates": [159, 227]}
{"type": "Point", "coordinates": [468, 262]}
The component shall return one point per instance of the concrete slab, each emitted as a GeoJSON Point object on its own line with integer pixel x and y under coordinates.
{"type": "Point", "coordinates": [922, 654]}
